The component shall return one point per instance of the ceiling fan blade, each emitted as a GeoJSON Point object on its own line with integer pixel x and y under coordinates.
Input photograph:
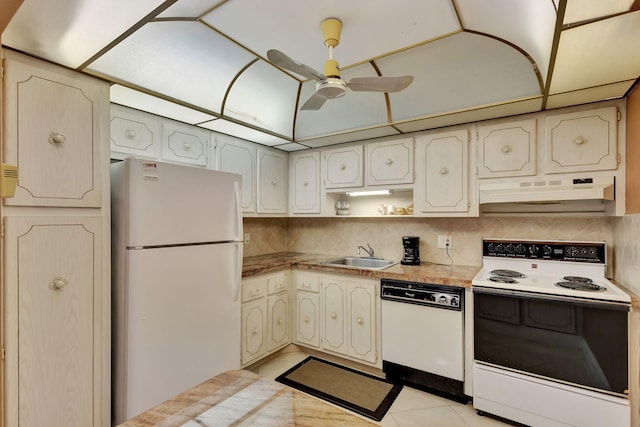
{"type": "Point", "coordinates": [314, 103]}
{"type": "Point", "coordinates": [380, 84]}
{"type": "Point", "coordinates": [281, 60]}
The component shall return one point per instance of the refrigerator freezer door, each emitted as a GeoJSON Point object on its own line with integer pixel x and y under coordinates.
{"type": "Point", "coordinates": [172, 204]}
{"type": "Point", "coordinates": [182, 323]}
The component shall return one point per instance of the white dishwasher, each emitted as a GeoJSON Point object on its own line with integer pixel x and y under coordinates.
{"type": "Point", "coordinates": [423, 336]}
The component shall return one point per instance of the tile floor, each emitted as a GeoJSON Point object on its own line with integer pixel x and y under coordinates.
{"type": "Point", "coordinates": [412, 408]}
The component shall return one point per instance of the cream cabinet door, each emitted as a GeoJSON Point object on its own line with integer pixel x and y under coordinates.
{"type": "Point", "coordinates": [307, 318]}
{"type": "Point", "coordinates": [305, 185]}
{"type": "Point", "coordinates": [343, 167]}
{"type": "Point", "coordinates": [55, 122]}
{"type": "Point", "coordinates": [443, 180]}
{"type": "Point", "coordinates": [362, 321]}
{"type": "Point", "coordinates": [134, 133]}
{"type": "Point", "coordinates": [333, 316]}
{"type": "Point", "coordinates": [389, 162]}
{"type": "Point", "coordinates": [53, 326]}
{"type": "Point", "coordinates": [582, 141]}
{"type": "Point", "coordinates": [507, 149]}
{"type": "Point", "coordinates": [272, 182]}
{"type": "Point", "coordinates": [239, 157]}
{"type": "Point", "coordinates": [254, 323]}
{"type": "Point", "coordinates": [278, 324]}
{"type": "Point", "coordinates": [185, 144]}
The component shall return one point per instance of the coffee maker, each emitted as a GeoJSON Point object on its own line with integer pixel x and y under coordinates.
{"type": "Point", "coordinates": [411, 250]}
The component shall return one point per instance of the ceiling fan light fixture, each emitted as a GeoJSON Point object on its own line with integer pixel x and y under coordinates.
{"type": "Point", "coordinates": [331, 88]}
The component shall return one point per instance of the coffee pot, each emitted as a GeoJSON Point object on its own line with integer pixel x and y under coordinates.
{"type": "Point", "coordinates": [411, 250]}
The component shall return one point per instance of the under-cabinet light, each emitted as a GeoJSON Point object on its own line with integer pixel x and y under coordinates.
{"type": "Point", "coordinates": [369, 193]}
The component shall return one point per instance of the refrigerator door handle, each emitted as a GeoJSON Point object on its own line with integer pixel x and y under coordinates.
{"type": "Point", "coordinates": [237, 190]}
{"type": "Point", "coordinates": [238, 271]}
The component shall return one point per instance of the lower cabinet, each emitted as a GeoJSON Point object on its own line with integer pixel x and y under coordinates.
{"type": "Point", "coordinates": [338, 314]}
{"type": "Point", "coordinates": [264, 316]}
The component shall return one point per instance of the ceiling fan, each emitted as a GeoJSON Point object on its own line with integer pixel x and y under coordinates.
{"type": "Point", "coordinates": [330, 85]}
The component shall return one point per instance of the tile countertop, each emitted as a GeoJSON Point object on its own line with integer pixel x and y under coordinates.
{"type": "Point", "coordinates": [242, 398]}
{"type": "Point", "coordinates": [455, 275]}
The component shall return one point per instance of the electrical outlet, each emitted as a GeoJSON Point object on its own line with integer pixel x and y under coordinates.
{"type": "Point", "coordinates": [444, 242]}
{"type": "Point", "coordinates": [247, 238]}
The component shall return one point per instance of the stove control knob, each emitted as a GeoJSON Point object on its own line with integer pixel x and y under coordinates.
{"type": "Point", "coordinates": [509, 248]}
{"type": "Point", "coordinates": [499, 248]}
{"type": "Point", "coordinates": [491, 247]}
{"type": "Point", "coordinates": [546, 249]}
{"type": "Point", "coordinates": [520, 248]}
{"type": "Point", "coordinates": [533, 249]}
{"type": "Point", "coordinates": [455, 301]}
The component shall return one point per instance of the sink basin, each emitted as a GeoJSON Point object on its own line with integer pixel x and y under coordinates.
{"type": "Point", "coordinates": [361, 262]}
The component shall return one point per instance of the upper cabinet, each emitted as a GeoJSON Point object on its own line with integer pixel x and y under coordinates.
{"type": "Point", "coordinates": [55, 120]}
{"type": "Point", "coordinates": [184, 143]}
{"type": "Point", "coordinates": [582, 141]}
{"type": "Point", "coordinates": [343, 167]}
{"type": "Point", "coordinates": [389, 162]}
{"type": "Point", "coordinates": [507, 149]}
{"type": "Point", "coordinates": [236, 156]}
{"type": "Point", "coordinates": [272, 181]}
{"type": "Point", "coordinates": [134, 133]}
{"type": "Point", "coordinates": [442, 184]}
{"type": "Point", "coordinates": [305, 182]}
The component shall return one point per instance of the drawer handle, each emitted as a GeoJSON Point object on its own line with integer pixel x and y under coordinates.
{"type": "Point", "coordinates": [506, 149]}
{"type": "Point", "coordinates": [254, 293]}
{"type": "Point", "coordinates": [280, 286]}
{"type": "Point", "coordinates": [187, 146]}
{"type": "Point", "coordinates": [306, 319]}
{"type": "Point", "coordinates": [255, 331]}
{"type": "Point", "coordinates": [334, 315]}
{"type": "Point", "coordinates": [360, 320]}
{"type": "Point", "coordinates": [57, 139]}
{"type": "Point", "coordinates": [580, 140]}
{"type": "Point", "coordinates": [389, 162]}
{"type": "Point", "coordinates": [343, 166]}
{"type": "Point", "coordinates": [306, 285]}
{"type": "Point", "coordinates": [58, 283]}
{"type": "Point", "coordinates": [444, 171]}
{"type": "Point", "coordinates": [130, 134]}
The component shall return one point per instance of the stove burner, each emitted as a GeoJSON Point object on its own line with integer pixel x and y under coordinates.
{"type": "Point", "coordinates": [502, 279]}
{"type": "Point", "coordinates": [581, 286]}
{"type": "Point", "coordinates": [578, 279]}
{"type": "Point", "coordinates": [507, 273]}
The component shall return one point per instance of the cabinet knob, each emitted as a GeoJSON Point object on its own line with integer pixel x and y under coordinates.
{"type": "Point", "coordinates": [58, 283]}
{"type": "Point", "coordinates": [579, 140]}
{"type": "Point", "coordinates": [360, 320]}
{"type": "Point", "coordinates": [187, 146]}
{"type": "Point", "coordinates": [389, 162]}
{"type": "Point", "coordinates": [274, 182]}
{"type": "Point", "coordinates": [306, 319]}
{"type": "Point", "coordinates": [334, 315]}
{"type": "Point", "coordinates": [343, 166]}
{"type": "Point", "coordinates": [306, 184]}
{"type": "Point", "coordinates": [279, 321]}
{"type": "Point", "coordinates": [444, 171]}
{"type": "Point", "coordinates": [506, 149]}
{"type": "Point", "coordinates": [255, 331]}
{"type": "Point", "coordinates": [130, 134]}
{"type": "Point", "coordinates": [57, 139]}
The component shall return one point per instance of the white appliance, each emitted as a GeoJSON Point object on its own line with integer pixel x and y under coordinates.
{"type": "Point", "coordinates": [177, 266]}
{"type": "Point", "coordinates": [550, 335]}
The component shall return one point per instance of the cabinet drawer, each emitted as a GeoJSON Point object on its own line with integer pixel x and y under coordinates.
{"type": "Point", "coordinates": [253, 289]}
{"type": "Point", "coordinates": [307, 282]}
{"type": "Point", "coordinates": [277, 284]}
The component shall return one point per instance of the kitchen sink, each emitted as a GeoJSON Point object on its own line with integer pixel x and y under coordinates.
{"type": "Point", "coordinates": [361, 262]}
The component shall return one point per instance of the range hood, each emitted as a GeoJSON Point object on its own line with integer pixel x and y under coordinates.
{"type": "Point", "coordinates": [553, 191]}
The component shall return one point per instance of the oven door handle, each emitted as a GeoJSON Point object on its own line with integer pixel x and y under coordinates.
{"type": "Point", "coordinates": [551, 297]}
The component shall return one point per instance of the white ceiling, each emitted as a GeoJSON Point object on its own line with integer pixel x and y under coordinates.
{"type": "Point", "coordinates": [204, 62]}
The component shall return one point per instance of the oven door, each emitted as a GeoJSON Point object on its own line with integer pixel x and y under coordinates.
{"type": "Point", "coordinates": [572, 340]}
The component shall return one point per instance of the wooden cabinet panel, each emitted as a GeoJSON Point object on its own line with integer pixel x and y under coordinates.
{"type": "Point", "coordinates": [184, 143]}
{"type": "Point", "coordinates": [389, 162]}
{"type": "Point", "coordinates": [343, 167]}
{"type": "Point", "coordinates": [254, 323]}
{"type": "Point", "coordinates": [305, 186]}
{"type": "Point", "coordinates": [133, 133]}
{"type": "Point", "coordinates": [278, 315]}
{"type": "Point", "coordinates": [239, 157]}
{"type": "Point", "coordinates": [307, 318]}
{"type": "Point", "coordinates": [507, 149]}
{"type": "Point", "coordinates": [334, 310]}
{"type": "Point", "coordinates": [272, 182]}
{"type": "Point", "coordinates": [53, 320]}
{"type": "Point", "coordinates": [582, 141]}
{"type": "Point", "coordinates": [55, 122]}
{"type": "Point", "coordinates": [362, 322]}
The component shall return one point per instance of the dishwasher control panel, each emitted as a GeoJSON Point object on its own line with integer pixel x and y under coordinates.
{"type": "Point", "coordinates": [450, 297]}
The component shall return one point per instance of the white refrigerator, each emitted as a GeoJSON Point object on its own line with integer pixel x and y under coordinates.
{"type": "Point", "coordinates": [177, 266]}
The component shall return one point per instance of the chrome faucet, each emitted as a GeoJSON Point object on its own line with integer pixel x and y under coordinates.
{"type": "Point", "coordinates": [368, 251]}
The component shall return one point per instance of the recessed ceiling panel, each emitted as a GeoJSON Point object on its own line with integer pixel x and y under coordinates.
{"type": "Point", "coordinates": [455, 73]}
{"type": "Point", "coordinates": [359, 135]}
{"type": "Point", "coordinates": [583, 10]}
{"type": "Point", "coordinates": [265, 97]}
{"type": "Point", "coordinates": [593, 94]}
{"type": "Point", "coordinates": [184, 60]}
{"type": "Point", "coordinates": [239, 131]}
{"type": "Point", "coordinates": [528, 24]}
{"type": "Point", "coordinates": [71, 32]}
{"type": "Point", "coordinates": [598, 53]}
{"type": "Point", "coordinates": [154, 105]}
{"type": "Point", "coordinates": [291, 147]}
{"type": "Point", "coordinates": [370, 27]}
{"type": "Point", "coordinates": [354, 110]}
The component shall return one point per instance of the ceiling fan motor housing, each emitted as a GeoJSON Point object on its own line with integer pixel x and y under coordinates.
{"type": "Point", "coordinates": [331, 88]}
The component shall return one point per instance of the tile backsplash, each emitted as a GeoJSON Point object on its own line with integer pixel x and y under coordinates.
{"type": "Point", "coordinates": [626, 260]}
{"type": "Point", "coordinates": [341, 236]}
